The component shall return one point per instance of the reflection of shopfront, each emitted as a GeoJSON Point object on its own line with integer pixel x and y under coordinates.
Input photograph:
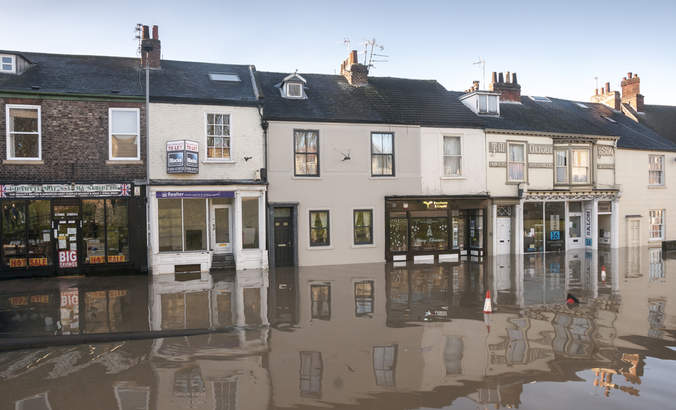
{"type": "Point", "coordinates": [54, 228]}
{"type": "Point", "coordinates": [434, 226]}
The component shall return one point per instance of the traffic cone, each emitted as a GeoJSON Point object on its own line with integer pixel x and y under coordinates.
{"type": "Point", "coordinates": [488, 308]}
{"type": "Point", "coordinates": [603, 273]}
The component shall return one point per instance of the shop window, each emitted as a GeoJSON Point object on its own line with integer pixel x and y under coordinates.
{"type": "Point", "coordinates": [363, 298]}
{"type": "Point", "coordinates": [575, 206]}
{"type": "Point", "coordinates": [580, 166]}
{"type": "Point", "coordinates": [218, 137]}
{"type": "Point", "coordinates": [476, 229]}
{"type": "Point", "coordinates": [382, 154]}
{"type": "Point", "coordinates": [398, 232]}
{"type": "Point", "coordinates": [117, 230]}
{"type": "Point", "coordinates": [250, 223]}
{"type": "Point", "coordinates": [656, 169]}
{"type": "Point", "coordinates": [458, 231]}
{"type": "Point", "coordinates": [23, 132]}
{"type": "Point", "coordinates": [555, 222]}
{"type": "Point", "coordinates": [384, 364]}
{"type": "Point", "coordinates": [39, 233]}
{"type": "Point", "coordinates": [320, 296]}
{"type": "Point", "coordinates": [182, 224]}
{"type": "Point", "coordinates": [429, 233]}
{"type": "Point", "coordinates": [306, 149]}
{"type": "Point", "coordinates": [656, 227]}
{"type": "Point", "coordinates": [194, 225]}
{"type": "Point", "coordinates": [516, 162]}
{"type": "Point", "coordinates": [363, 226]}
{"type": "Point", "coordinates": [14, 246]}
{"type": "Point", "coordinates": [319, 228]}
{"type": "Point", "coordinates": [94, 231]}
{"type": "Point", "coordinates": [533, 227]}
{"type": "Point", "coordinates": [452, 157]}
{"type": "Point", "coordinates": [124, 134]}
{"type": "Point", "coordinates": [311, 368]}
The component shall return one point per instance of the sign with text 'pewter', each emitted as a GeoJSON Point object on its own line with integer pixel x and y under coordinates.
{"type": "Point", "coordinates": [182, 157]}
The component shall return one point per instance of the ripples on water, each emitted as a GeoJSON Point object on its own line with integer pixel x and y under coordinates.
{"type": "Point", "coordinates": [373, 336]}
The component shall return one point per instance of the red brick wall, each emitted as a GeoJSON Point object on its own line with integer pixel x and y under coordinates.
{"type": "Point", "coordinates": [74, 144]}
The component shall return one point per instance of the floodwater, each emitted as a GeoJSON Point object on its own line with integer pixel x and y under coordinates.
{"type": "Point", "coordinates": [370, 336]}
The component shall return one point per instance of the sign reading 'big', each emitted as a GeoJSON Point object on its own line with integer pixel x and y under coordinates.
{"type": "Point", "coordinates": [67, 259]}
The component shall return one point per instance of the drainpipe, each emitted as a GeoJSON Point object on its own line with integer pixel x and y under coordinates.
{"type": "Point", "coordinates": [148, 221]}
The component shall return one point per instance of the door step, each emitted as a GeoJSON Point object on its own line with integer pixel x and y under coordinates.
{"type": "Point", "coordinates": [222, 262]}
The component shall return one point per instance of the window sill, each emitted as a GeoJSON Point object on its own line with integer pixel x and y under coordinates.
{"type": "Point", "coordinates": [218, 161]}
{"type": "Point", "coordinates": [383, 177]}
{"type": "Point", "coordinates": [657, 187]}
{"type": "Point", "coordinates": [23, 162]}
{"type": "Point", "coordinates": [306, 177]}
{"type": "Point", "coordinates": [320, 248]}
{"type": "Point", "coordinates": [124, 162]}
{"type": "Point", "coordinates": [453, 178]}
{"type": "Point", "coordinates": [655, 239]}
{"type": "Point", "coordinates": [366, 245]}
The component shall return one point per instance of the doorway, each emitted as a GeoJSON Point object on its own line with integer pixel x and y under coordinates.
{"type": "Point", "coordinates": [221, 228]}
{"type": "Point", "coordinates": [575, 239]}
{"type": "Point", "coordinates": [284, 246]}
{"type": "Point", "coordinates": [66, 232]}
{"type": "Point", "coordinates": [504, 235]}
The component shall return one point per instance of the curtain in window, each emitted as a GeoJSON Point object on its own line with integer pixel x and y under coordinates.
{"type": "Point", "coordinates": [516, 162]}
{"type": "Point", "coordinates": [452, 156]}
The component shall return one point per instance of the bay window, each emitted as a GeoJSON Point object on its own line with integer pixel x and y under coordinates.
{"type": "Point", "coordinates": [218, 137]}
{"type": "Point", "coordinates": [124, 133]}
{"type": "Point", "coordinates": [452, 157]}
{"type": "Point", "coordinates": [572, 165]}
{"type": "Point", "coordinates": [382, 154]}
{"type": "Point", "coordinates": [656, 169]}
{"type": "Point", "coordinates": [516, 162]}
{"type": "Point", "coordinates": [580, 166]}
{"type": "Point", "coordinates": [24, 135]}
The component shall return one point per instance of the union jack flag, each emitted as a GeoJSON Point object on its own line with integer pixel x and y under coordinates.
{"type": "Point", "coordinates": [2, 191]}
{"type": "Point", "coordinates": [125, 190]}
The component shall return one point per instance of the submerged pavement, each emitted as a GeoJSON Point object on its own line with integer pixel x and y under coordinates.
{"type": "Point", "coordinates": [375, 336]}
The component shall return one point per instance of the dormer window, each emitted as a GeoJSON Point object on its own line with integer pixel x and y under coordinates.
{"type": "Point", "coordinates": [294, 90]}
{"type": "Point", "coordinates": [482, 102]}
{"type": "Point", "coordinates": [7, 64]}
{"type": "Point", "coordinates": [293, 86]}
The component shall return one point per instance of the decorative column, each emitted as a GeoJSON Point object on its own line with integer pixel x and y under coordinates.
{"type": "Point", "coordinates": [615, 224]}
{"type": "Point", "coordinates": [237, 239]}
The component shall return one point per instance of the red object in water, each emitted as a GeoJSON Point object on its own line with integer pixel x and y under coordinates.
{"type": "Point", "coordinates": [570, 301]}
{"type": "Point", "coordinates": [488, 307]}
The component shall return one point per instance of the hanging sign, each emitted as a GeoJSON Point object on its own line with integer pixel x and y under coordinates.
{"type": "Point", "coordinates": [182, 157]}
{"type": "Point", "coordinates": [63, 190]}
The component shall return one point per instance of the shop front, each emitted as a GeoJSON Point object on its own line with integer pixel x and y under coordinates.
{"type": "Point", "coordinates": [438, 227]}
{"type": "Point", "coordinates": [63, 229]}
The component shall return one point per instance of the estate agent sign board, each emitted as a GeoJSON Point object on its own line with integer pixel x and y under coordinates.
{"type": "Point", "coordinates": [182, 157]}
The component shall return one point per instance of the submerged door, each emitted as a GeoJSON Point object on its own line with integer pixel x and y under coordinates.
{"type": "Point", "coordinates": [575, 239]}
{"type": "Point", "coordinates": [504, 234]}
{"type": "Point", "coordinates": [284, 249]}
{"type": "Point", "coordinates": [221, 229]}
{"type": "Point", "coordinates": [66, 225]}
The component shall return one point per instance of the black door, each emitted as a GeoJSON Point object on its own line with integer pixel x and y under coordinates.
{"type": "Point", "coordinates": [283, 241]}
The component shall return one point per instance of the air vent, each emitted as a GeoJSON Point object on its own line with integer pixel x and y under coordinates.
{"type": "Point", "coordinates": [224, 77]}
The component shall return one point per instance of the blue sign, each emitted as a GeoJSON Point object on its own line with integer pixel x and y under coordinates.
{"type": "Point", "coordinates": [587, 241]}
{"type": "Point", "coordinates": [195, 194]}
{"type": "Point", "coordinates": [554, 235]}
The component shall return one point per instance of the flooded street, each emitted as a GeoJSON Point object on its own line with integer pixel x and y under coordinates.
{"type": "Point", "coordinates": [371, 336]}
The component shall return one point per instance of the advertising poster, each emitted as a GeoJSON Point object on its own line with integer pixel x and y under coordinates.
{"type": "Point", "coordinates": [70, 311]}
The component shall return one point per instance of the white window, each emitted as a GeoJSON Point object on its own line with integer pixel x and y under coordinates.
{"type": "Point", "coordinates": [516, 162]}
{"type": "Point", "coordinates": [488, 104]}
{"type": "Point", "coordinates": [7, 63]}
{"type": "Point", "coordinates": [294, 90]}
{"type": "Point", "coordinates": [561, 164]}
{"type": "Point", "coordinates": [218, 137]}
{"type": "Point", "coordinates": [656, 169]}
{"type": "Point", "coordinates": [124, 131]}
{"type": "Point", "coordinates": [580, 166]}
{"type": "Point", "coordinates": [452, 157]}
{"type": "Point", "coordinates": [24, 135]}
{"type": "Point", "coordinates": [656, 224]}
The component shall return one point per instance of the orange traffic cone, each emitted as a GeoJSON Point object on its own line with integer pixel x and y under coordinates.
{"type": "Point", "coordinates": [603, 273]}
{"type": "Point", "coordinates": [488, 308]}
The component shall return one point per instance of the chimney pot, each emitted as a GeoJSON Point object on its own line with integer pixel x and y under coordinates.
{"type": "Point", "coordinates": [353, 57]}
{"type": "Point", "coordinates": [151, 48]}
{"type": "Point", "coordinates": [500, 78]}
{"type": "Point", "coordinates": [494, 77]}
{"type": "Point", "coordinates": [514, 78]}
{"type": "Point", "coordinates": [596, 92]}
{"type": "Point", "coordinates": [145, 33]}
{"type": "Point", "coordinates": [635, 75]}
{"type": "Point", "coordinates": [629, 74]}
{"type": "Point", "coordinates": [509, 77]}
{"type": "Point", "coordinates": [607, 87]}
{"type": "Point", "coordinates": [156, 35]}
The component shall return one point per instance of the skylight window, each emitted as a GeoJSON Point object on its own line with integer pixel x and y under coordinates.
{"type": "Point", "coordinates": [232, 78]}
{"type": "Point", "coordinates": [7, 63]}
{"type": "Point", "coordinates": [582, 105]}
{"type": "Point", "coordinates": [609, 119]}
{"type": "Point", "coordinates": [540, 99]}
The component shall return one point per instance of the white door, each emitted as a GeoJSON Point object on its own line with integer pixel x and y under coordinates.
{"type": "Point", "coordinates": [504, 236]}
{"type": "Point", "coordinates": [575, 239]}
{"type": "Point", "coordinates": [221, 228]}
{"type": "Point", "coordinates": [634, 232]}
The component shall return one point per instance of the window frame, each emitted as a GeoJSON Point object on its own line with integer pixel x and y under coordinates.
{"type": "Point", "coordinates": [206, 138]}
{"type": "Point", "coordinates": [287, 88]}
{"type": "Point", "coordinates": [207, 226]}
{"type": "Point", "coordinates": [364, 244]}
{"type": "Point", "coordinates": [662, 225]}
{"type": "Point", "coordinates": [110, 134]}
{"type": "Point", "coordinates": [569, 150]}
{"type": "Point", "coordinates": [487, 111]}
{"type": "Point", "coordinates": [295, 173]}
{"type": "Point", "coordinates": [13, 64]}
{"type": "Point", "coordinates": [661, 170]}
{"type": "Point", "coordinates": [444, 155]}
{"type": "Point", "coordinates": [8, 107]}
{"type": "Point", "coordinates": [566, 151]}
{"type": "Point", "coordinates": [394, 173]}
{"type": "Point", "coordinates": [328, 229]}
{"type": "Point", "coordinates": [571, 156]}
{"type": "Point", "coordinates": [525, 162]}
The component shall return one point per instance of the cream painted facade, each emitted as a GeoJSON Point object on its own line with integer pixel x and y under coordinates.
{"type": "Point", "coordinates": [639, 197]}
{"type": "Point", "coordinates": [343, 185]}
{"type": "Point", "coordinates": [220, 187]}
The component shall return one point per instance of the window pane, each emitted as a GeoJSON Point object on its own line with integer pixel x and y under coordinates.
{"type": "Point", "coordinates": [7, 60]}
{"type": "Point", "coordinates": [319, 228]}
{"type": "Point", "coordinates": [24, 145]}
{"type": "Point", "coordinates": [124, 122]}
{"type": "Point", "coordinates": [311, 164]}
{"type": "Point", "coordinates": [124, 146]}
{"type": "Point", "coordinates": [117, 227]}
{"type": "Point", "coordinates": [194, 224]}
{"type": "Point", "coordinates": [561, 174]}
{"type": "Point", "coordinates": [533, 226]}
{"type": "Point", "coordinates": [452, 166]}
{"type": "Point", "coordinates": [93, 231]}
{"type": "Point", "coordinates": [387, 165]}
{"type": "Point", "coordinates": [14, 233]}
{"type": "Point", "coordinates": [363, 227]}
{"type": "Point", "coordinates": [387, 143]}
{"type": "Point", "coordinates": [429, 234]}
{"type": "Point", "coordinates": [451, 145]}
{"type": "Point", "coordinates": [516, 172]}
{"type": "Point", "coordinates": [579, 174]}
{"type": "Point", "coordinates": [169, 221]}
{"type": "Point", "coordinates": [516, 152]}
{"type": "Point", "coordinates": [321, 301]}
{"type": "Point", "coordinates": [250, 223]}
{"type": "Point", "coordinates": [376, 143]}
{"type": "Point", "coordinates": [561, 160]}
{"type": "Point", "coordinates": [493, 104]}
{"type": "Point", "coordinates": [39, 233]}
{"type": "Point", "coordinates": [312, 141]}
{"type": "Point", "coordinates": [483, 103]}
{"type": "Point", "coordinates": [580, 158]}
{"type": "Point", "coordinates": [377, 164]}
{"type": "Point", "coordinates": [398, 234]}
{"type": "Point", "coordinates": [23, 120]}
{"type": "Point", "coordinates": [301, 165]}
{"type": "Point", "coordinates": [300, 141]}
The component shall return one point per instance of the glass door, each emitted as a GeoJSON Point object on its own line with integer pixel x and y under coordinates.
{"type": "Point", "coordinates": [66, 224]}
{"type": "Point", "coordinates": [221, 231]}
{"type": "Point", "coordinates": [575, 239]}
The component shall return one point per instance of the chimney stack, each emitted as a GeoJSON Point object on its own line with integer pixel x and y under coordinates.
{"type": "Point", "coordinates": [631, 92]}
{"type": "Point", "coordinates": [356, 74]}
{"type": "Point", "coordinates": [607, 97]}
{"type": "Point", "coordinates": [510, 90]}
{"type": "Point", "coordinates": [151, 51]}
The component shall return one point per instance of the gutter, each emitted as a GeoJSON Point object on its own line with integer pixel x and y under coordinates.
{"type": "Point", "coordinates": [69, 96]}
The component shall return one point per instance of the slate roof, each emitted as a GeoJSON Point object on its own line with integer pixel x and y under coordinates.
{"type": "Point", "coordinates": [100, 75]}
{"type": "Point", "coordinates": [661, 118]}
{"type": "Point", "coordinates": [566, 116]}
{"type": "Point", "coordinates": [385, 100]}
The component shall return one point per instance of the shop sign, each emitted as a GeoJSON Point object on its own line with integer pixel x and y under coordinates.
{"type": "Point", "coordinates": [436, 204]}
{"type": "Point", "coordinates": [587, 223]}
{"type": "Point", "coordinates": [182, 157]}
{"type": "Point", "coordinates": [17, 262]}
{"type": "Point", "coordinates": [63, 190]}
{"type": "Point", "coordinates": [37, 262]}
{"type": "Point", "coordinates": [116, 258]}
{"type": "Point", "coordinates": [97, 259]}
{"type": "Point", "coordinates": [195, 194]}
{"type": "Point", "coordinates": [67, 259]}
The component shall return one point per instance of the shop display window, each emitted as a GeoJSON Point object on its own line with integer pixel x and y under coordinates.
{"type": "Point", "coordinates": [94, 231]}
{"type": "Point", "coordinates": [40, 251]}
{"type": "Point", "coordinates": [429, 233]}
{"type": "Point", "coordinates": [14, 249]}
{"type": "Point", "coordinates": [250, 223]}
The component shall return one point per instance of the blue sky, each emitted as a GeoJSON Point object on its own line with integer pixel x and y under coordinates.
{"type": "Point", "coordinates": [556, 47]}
